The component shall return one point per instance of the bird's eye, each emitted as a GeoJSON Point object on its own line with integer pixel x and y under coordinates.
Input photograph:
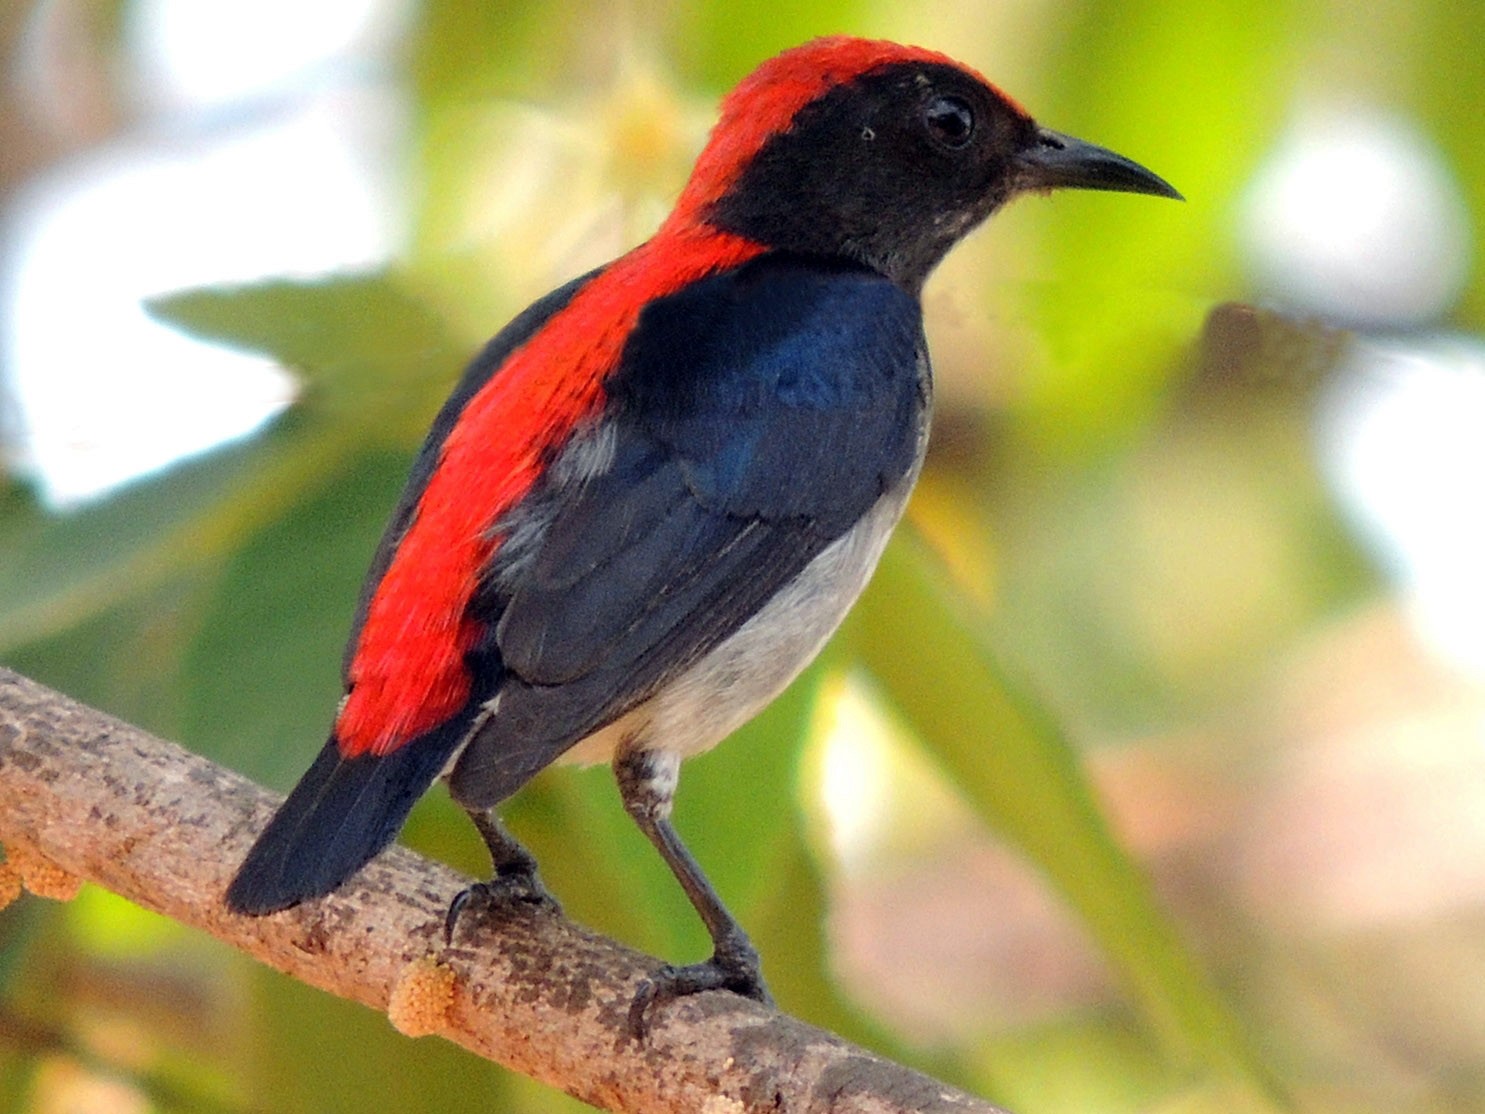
{"type": "Point", "coordinates": [950, 121]}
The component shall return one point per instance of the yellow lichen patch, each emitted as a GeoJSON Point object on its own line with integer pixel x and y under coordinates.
{"type": "Point", "coordinates": [10, 883]}
{"type": "Point", "coordinates": [422, 997]}
{"type": "Point", "coordinates": [42, 877]}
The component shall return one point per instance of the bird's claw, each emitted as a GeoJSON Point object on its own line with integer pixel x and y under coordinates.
{"type": "Point", "coordinates": [510, 889]}
{"type": "Point", "coordinates": [734, 966]}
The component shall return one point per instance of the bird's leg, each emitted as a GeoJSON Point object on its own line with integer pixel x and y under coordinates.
{"type": "Point", "coordinates": [513, 877]}
{"type": "Point", "coordinates": [647, 781]}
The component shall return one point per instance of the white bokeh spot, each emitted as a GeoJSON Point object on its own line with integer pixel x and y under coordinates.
{"type": "Point", "coordinates": [1356, 216]}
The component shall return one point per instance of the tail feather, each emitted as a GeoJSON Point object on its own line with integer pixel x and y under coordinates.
{"type": "Point", "coordinates": [342, 812]}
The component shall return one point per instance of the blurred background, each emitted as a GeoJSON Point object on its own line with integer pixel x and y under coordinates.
{"type": "Point", "coordinates": [1150, 773]}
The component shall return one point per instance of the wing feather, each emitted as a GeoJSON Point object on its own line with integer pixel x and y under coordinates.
{"type": "Point", "coordinates": [758, 416]}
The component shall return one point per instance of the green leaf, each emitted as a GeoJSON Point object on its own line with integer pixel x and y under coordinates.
{"type": "Point", "coordinates": [371, 350]}
{"type": "Point", "coordinates": [1009, 758]}
{"type": "Point", "coordinates": [376, 361]}
{"type": "Point", "coordinates": [125, 658]}
{"type": "Point", "coordinates": [63, 569]}
{"type": "Point", "coordinates": [261, 677]}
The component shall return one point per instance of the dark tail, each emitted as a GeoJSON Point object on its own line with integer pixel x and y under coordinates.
{"type": "Point", "coordinates": [342, 812]}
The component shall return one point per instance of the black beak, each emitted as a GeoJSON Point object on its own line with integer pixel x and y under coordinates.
{"type": "Point", "coordinates": [1057, 161]}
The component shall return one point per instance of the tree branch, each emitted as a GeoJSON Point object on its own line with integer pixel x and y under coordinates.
{"type": "Point", "coordinates": [107, 802]}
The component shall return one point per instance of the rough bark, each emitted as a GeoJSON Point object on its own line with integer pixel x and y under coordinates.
{"type": "Point", "coordinates": [107, 802]}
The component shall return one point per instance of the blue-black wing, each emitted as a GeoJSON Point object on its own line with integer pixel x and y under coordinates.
{"type": "Point", "coordinates": [754, 419]}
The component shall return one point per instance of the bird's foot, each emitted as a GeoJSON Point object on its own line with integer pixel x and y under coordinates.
{"type": "Point", "coordinates": [733, 966]}
{"type": "Point", "coordinates": [512, 887]}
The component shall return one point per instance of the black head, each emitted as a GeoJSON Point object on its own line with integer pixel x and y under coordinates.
{"type": "Point", "coordinates": [893, 165]}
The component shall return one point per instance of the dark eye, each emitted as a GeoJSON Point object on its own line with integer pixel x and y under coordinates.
{"type": "Point", "coordinates": [950, 121]}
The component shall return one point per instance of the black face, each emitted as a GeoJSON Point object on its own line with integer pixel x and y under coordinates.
{"type": "Point", "coordinates": [893, 168]}
{"type": "Point", "coordinates": [890, 170]}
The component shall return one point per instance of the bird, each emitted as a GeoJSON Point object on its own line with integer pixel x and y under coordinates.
{"type": "Point", "coordinates": [654, 495]}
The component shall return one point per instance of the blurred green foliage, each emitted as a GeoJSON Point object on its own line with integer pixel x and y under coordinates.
{"type": "Point", "coordinates": [1089, 453]}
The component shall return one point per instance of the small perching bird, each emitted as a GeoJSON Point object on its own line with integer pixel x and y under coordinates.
{"type": "Point", "coordinates": [655, 494]}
